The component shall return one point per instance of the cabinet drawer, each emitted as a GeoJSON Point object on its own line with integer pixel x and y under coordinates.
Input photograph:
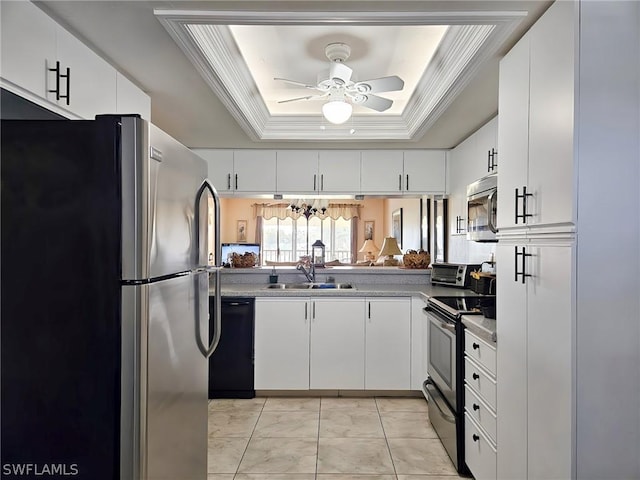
{"type": "Point", "coordinates": [480, 382]}
{"type": "Point", "coordinates": [480, 455]}
{"type": "Point", "coordinates": [480, 351]}
{"type": "Point", "coordinates": [480, 412]}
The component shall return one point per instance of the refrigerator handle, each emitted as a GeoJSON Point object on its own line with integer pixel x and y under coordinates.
{"type": "Point", "coordinates": [217, 314]}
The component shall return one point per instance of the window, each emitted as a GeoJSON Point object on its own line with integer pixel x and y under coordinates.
{"type": "Point", "coordinates": [286, 240]}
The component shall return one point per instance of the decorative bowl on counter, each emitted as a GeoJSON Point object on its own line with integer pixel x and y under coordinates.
{"type": "Point", "coordinates": [247, 260]}
{"type": "Point", "coordinates": [416, 259]}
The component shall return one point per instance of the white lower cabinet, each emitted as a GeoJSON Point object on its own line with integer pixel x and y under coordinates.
{"type": "Point", "coordinates": [480, 412]}
{"type": "Point", "coordinates": [337, 344]}
{"type": "Point", "coordinates": [479, 451]}
{"type": "Point", "coordinates": [333, 343]}
{"type": "Point", "coordinates": [281, 344]}
{"type": "Point", "coordinates": [388, 344]}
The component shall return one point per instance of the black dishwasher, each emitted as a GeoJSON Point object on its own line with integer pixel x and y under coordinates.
{"type": "Point", "coordinates": [231, 365]}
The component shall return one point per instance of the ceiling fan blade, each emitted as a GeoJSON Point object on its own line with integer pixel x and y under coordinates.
{"type": "Point", "coordinates": [298, 98]}
{"type": "Point", "coordinates": [384, 84]}
{"type": "Point", "coordinates": [375, 102]}
{"type": "Point", "coordinates": [294, 82]}
{"type": "Point", "coordinates": [340, 73]}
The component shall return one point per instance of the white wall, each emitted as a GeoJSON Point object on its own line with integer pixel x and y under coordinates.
{"type": "Point", "coordinates": [462, 250]}
{"type": "Point", "coordinates": [410, 221]}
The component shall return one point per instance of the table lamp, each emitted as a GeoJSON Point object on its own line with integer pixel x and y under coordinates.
{"type": "Point", "coordinates": [369, 249]}
{"type": "Point", "coordinates": [389, 249]}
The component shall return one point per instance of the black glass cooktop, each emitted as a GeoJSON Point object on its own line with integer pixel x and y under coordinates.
{"type": "Point", "coordinates": [466, 305]}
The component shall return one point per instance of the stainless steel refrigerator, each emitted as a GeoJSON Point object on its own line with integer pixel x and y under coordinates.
{"type": "Point", "coordinates": [105, 313]}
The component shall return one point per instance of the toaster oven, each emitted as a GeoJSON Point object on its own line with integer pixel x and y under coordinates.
{"type": "Point", "coordinates": [453, 274]}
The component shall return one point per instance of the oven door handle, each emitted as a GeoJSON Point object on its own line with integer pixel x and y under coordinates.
{"type": "Point", "coordinates": [447, 326]}
{"type": "Point", "coordinates": [437, 401]}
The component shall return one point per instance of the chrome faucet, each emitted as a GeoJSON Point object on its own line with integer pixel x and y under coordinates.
{"type": "Point", "coordinates": [310, 274]}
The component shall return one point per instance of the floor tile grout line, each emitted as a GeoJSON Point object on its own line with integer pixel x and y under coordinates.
{"type": "Point", "coordinates": [250, 437]}
{"type": "Point", "coordinates": [386, 440]}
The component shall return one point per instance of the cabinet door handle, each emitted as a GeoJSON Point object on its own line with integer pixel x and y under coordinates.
{"type": "Point", "coordinates": [58, 77]}
{"type": "Point", "coordinates": [313, 314]}
{"type": "Point", "coordinates": [57, 72]}
{"type": "Point", "coordinates": [400, 182]}
{"type": "Point", "coordinates": [322, 182]}
{"type": "Point", "coordinates": [524, 197]}
{"type": "Point", "coordinates": [236, 181]}
{"type": "Point", "coordinates": [306, 310]}
{"type": "Point", "coordinates": [475, 346]}
{"type": "Point", "coordinates": [314, 182]}
{"type": "Point", "coordinates": [523, 256]}
{"type": "Point", "coordinates": [369, 314]}
{"type": "Point", "coordinates": [475, 437]}
{"type": "Point", "coordinates": [407, 185]}
{"type": "Point", "coordinates": [476, 406]}
{"type": "Point", "coordinates": [488, 160]}
{"type": "Point", "coordinates": [228, 181]}
{"type": "Point", "coordinates": [475, 376]}
{"type": "Point", "coordinates": [68, 78]}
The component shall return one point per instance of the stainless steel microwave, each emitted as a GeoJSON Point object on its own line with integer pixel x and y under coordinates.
{"type": "Point", "coordinates": [453, 274]}
{"type": "Point", "coordinates": [482, 200]}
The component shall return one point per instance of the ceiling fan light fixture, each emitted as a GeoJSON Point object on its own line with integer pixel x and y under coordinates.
{"type": "Point", "coordinates": [337, 111]}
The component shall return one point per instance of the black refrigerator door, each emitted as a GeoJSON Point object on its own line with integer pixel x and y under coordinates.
{"type": "Point", "coordinates": [60, 313]}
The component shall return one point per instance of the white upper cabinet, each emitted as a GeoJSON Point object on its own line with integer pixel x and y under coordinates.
{"type": "Point", "coordinates": [28, 43]}
{"type": "Point", "coordinates": [241, 172]}
{"type": "Point", "coordinates": [315, 172]}
{"type": "Point", "coordinates": [381, 171]}
{"type": "Point", "coordinates": [424, 171]}
{"type": "Point", "coordinates": [46, 64]}
{"type": "Point", "coordinates": [89, 81]}
{"type": "Point", "coordinates": [513, 128]}
{"type": "Point", "coordinates": [220, 167]}
{"type": "Point", "coordinates": [487, 147]}
{"type": "Point", "coordinates": [394, 171]}
{"type": "Point", "coordinates": [297, 171]}
{"type": "Point", "coordinates": [536, 104]}
{"type": "Point", "coordinates": [130, 99]}
{"type": "Point", "coordinates": [254, 171]}
{"type": "Point", "coordinates": [339, 171]}
{"type": "Point", "coordinates": [551, 117]}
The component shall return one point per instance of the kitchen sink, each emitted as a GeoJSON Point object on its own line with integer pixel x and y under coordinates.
{"type": "Point", "coordinates": [289, 286]}
{"type": "Point", "coordinates": [307, 286]}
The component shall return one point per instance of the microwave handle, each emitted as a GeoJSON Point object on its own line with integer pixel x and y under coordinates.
{"type": "Point", "coordinates": [492, 204]}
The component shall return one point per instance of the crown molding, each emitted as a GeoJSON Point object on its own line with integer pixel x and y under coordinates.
{"type": "Point", "coordinates": [205, 38]}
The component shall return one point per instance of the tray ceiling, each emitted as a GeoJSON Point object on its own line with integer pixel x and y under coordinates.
{"type": "Point", "coordinates": [239, 53]}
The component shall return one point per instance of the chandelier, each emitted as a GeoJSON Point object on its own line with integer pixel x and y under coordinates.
{"type": "Point", "coordinates": [309, 207]}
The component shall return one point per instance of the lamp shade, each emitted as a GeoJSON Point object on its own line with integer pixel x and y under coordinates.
{"type": "Point", "coordinates": [337, 111]}
{"type": "Point", "coordinates": [390, 247]}
{"type": "Point", "coordinates": [369, 249]}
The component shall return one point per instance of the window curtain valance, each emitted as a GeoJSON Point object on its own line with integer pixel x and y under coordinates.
{"type": "Point", "coordinates": [283, 210]}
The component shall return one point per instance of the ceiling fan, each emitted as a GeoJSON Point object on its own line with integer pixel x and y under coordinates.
{"type": "Point", "coordinates": [342, 92]}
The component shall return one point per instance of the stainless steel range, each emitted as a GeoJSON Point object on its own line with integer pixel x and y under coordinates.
{"type": "Point", "coordinates": [444, 386]}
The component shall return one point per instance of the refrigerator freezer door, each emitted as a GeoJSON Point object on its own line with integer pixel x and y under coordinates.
{"type": "Point", "coordinates": [160, 179]}
{"type": "Point", "coordinates": [170, 380]}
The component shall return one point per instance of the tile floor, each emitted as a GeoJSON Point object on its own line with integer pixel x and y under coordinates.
{"type": "Point", "coordinates": [328, 438]}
